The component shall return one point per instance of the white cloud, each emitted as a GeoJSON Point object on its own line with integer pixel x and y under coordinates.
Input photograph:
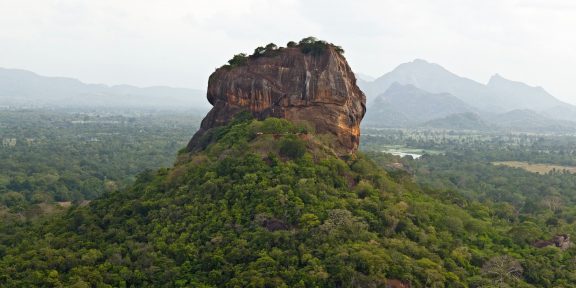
{"type": "Point", "coordinates": [180, 42]}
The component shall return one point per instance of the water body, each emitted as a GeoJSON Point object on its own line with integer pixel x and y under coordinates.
{"type": "Point", "coordinates": [403, 154]}
{"type": "Point", "coordinates": [403, 151]}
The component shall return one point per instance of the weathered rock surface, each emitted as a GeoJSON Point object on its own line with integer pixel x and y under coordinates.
{"type": "Point", "coordinates": [320, 89]}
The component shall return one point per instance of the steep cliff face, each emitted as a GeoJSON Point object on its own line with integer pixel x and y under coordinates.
{"type": "Point", "coordinates": [318, 88]}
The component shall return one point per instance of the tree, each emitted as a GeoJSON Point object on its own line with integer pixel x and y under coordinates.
{"type": "Point", "coordinates": [553, 203]}
{"type": "Point", "coordinates": [503, 269]}
{"type": "Point", "coordinates": [339, 49]}
{"type": "Point", "coordinates": [292, 148]}
{"type": "Point", "coordinates": [238, 60]}
{"type": "Point", "coordinates": [259, 51]}
{"type": "Point", "coordinates": [311, 45]}
{"type": "Point", "coordinates": [308, 40]}
{"type": "Point", "coordinates": [271, 47]}
{"type": "Point", "coordinates": [309, 220]}
{"type": "Point", "coordinates": [12, 199]}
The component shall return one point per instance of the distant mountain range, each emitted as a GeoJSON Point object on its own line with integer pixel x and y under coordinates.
{"type": "Point", "coordinates": [425, 94]}
{"type": "Point", "coordinates": [414, 94]}
{"type": "Point", "coordinates": [25, 88]}
{"type": "Point", "coordinates": [407, 105]}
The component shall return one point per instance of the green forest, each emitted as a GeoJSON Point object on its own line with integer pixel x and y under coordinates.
{"type": "Point", "coordinates": [59, 156]}
{"type": "Point", "coordinates": [268, 204]}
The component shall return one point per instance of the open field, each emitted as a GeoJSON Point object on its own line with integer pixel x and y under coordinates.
{"type": "Point", "coordinates": [535, 168]}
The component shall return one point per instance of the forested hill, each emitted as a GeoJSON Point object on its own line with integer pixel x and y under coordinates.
{"type": "Point", "coordinates": [268, 204]}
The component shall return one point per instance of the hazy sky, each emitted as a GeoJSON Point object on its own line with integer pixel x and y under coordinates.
{"type": "Point", "coordinates": [179, 43]}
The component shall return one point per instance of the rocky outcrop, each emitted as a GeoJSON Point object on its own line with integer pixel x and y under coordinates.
{"type": "Point", "coordinates": [319, 88]}
{"type": "Point", "coordinates": [561, 241]}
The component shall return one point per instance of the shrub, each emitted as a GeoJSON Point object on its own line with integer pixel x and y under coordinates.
{"type": "Point", "coordinates": [273, 125]}
{"type": "Point", "coordinates": [238, 60]}
{"type": "Point", "coordinates": [292, 148]}
{"type": "Point", "coordinates": [311, 45]}
{"type": "Point", "coordinates": [271, 47]}
{"type": "Point", "coordinates": [308, 45]}
{"type": "Point", "coordinates": [316, 47]}
{"type": "Point", "coordinates": [259, 51]}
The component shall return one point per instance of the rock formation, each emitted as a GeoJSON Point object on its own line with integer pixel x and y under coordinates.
{"type": "Point", "coordinates": [317, 87]}
{"type": "Point", "coordinates": [561, 241]}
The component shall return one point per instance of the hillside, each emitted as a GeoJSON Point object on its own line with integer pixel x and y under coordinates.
{"type": "Point", "coordinates": [517, 95]}
{"type": "Point", "coordinates": [459, 121]}
{"type": "Point", "coordinates": [261, 210]}
{"type": "Point", "coordinates": [528, 120]}
{"type": "Point", "coordinates": [564, 112]}
{"type": "Point", "coordinates": [405, 105]}
{"type": "Point", "coordinates": [24, 88]}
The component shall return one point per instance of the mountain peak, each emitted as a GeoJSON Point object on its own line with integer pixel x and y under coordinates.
{"type": "Point", "coordinates": [497, 79]}
{"type": "Point", "coordinates": [420, 61]}
{"type": "Point", "coordinates": [397, 86]}
{"type": "Point", "coordinates": [270, 83]}
{"type": "Point", "coordinates": [420, 66]}
{"type": "Point", "coordinates": [518, 95]}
